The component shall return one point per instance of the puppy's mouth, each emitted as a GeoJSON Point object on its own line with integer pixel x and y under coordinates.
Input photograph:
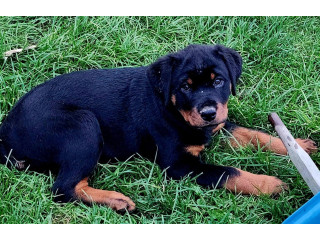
{"type": "Point", "coordinates": [194, 118]}
{"type": "Point", "coordinates": [214, 125]}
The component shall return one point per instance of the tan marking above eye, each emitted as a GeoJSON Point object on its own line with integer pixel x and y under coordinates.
{"type": "Point", "coordinates": [212, 76]}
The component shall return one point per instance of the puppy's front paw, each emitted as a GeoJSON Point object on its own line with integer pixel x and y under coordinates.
{"type": "Point", "coordinates": [308, 145]}
{"type": "Point", "coordinates": [119, 202]}
{"type": "Point", "coordinates": [270, 185]}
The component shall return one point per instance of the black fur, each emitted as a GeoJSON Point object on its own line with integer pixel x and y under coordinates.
{"type": "Point", "coordinates": [73, 121]}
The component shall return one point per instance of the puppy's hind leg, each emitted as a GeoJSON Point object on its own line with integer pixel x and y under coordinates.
{"type": "Point", "coordinates": [79, 154]}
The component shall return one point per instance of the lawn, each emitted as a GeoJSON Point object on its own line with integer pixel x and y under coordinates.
{"type": "Point", "coordinates": [281, 58]}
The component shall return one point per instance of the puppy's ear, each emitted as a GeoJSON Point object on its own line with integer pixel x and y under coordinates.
{"type": "Point", "coordinates": [160, 75]}
{"type": "Point", "coordinates": [233, 62]}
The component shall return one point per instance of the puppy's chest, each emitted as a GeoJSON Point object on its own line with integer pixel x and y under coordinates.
{"type": "Point", "coordinates": [195, 137]}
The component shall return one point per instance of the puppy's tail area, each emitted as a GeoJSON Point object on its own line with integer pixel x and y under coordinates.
{"type": "Point", "coordinates": [8, 159]}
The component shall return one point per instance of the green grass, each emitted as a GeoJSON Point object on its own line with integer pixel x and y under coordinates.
{"type": "Point", "coordinates": [280, 73]}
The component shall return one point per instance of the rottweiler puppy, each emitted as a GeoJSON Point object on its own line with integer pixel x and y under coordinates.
{"type": "Point", "coordinates": [173, 106]}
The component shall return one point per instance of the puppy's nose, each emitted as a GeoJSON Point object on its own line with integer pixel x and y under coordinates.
{"type": "Point", "coordinates": [208, 113]}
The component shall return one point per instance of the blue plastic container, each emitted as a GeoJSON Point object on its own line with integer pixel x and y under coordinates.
{"type": "Point", "coordinates": [309, 213]}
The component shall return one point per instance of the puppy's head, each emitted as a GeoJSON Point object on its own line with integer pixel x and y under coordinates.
{"type": "Point", "coordinates": [197, 81]}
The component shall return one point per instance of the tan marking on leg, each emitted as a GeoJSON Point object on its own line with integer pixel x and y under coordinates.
{"type": "Point", "coordinates": [195, 150]}
{"type": "Point", "coordinates": [173, 99]}
{"type": "Point", "coordinates": [189, 81]}
{"type": "Point", "coordinates": [245, 137]}
{"type": "Point", "coordinates": [221, 125]}
{"type": "Point", "coordinates": [249, 183]}
{"type": "Point", "coordinates": [212, 76]}
{"type": "Point", "coordinates": [115, 200]}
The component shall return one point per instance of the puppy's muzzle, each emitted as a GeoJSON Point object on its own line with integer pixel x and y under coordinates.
{"type": "Point", "coordinates": [208, 114]}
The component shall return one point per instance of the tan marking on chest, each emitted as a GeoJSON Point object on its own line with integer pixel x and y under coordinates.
{"type": "Point", "coordinates": [195, 149]}
{"type": "Point", "coordinates": [221, 125]}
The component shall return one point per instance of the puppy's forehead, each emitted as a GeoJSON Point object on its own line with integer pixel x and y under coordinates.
{"type": "Point", "coordinates": [199, 61]}
{"type": "Point", "coordinates": [201, 73]}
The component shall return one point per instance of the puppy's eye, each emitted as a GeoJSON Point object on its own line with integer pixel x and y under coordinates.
{"type": "Point", "coordinates": [185, 87]}
{"type": "Point", "coordinates": [218, 82]}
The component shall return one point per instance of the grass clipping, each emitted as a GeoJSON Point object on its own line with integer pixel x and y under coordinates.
{"type": "Point", "coordinates": [18, 50]}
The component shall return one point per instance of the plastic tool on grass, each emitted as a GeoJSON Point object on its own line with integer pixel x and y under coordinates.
{"type": "Point", "coordinates": [310, 211]}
